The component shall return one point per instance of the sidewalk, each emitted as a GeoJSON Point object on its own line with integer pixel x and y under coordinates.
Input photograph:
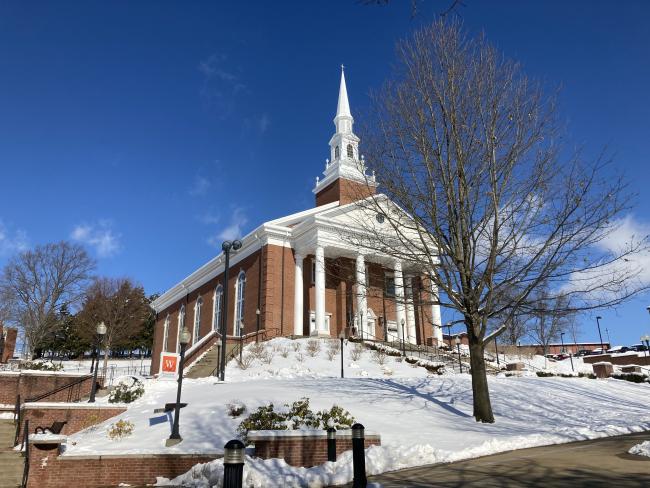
{"type": "Point", "coordinates": [597, 463]}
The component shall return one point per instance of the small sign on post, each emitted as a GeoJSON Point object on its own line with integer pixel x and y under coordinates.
{"type": "Point", "coordinates": [168, 365]}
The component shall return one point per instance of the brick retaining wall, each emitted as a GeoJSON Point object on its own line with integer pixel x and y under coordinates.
{"type": "Point", "coordinates": [303, 448]}
{"type": "Point", "coordinates": [30, 384]}
{"type": "Point", "coordinates": [78, 416]}
{"type": "Point", "coordinates": [618, 360]}
{"type": "Point", "coordinates": [49, 470]}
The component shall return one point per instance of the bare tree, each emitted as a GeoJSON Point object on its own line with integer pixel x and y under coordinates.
{"type": "Point", "coordinates": [36, 284]}
{"type": "Point", "coordinates": [121, 305]}
{"type": "Point", "coordinates": [548, 319]}
{"type": "Point", "coordinates": [478, 192]}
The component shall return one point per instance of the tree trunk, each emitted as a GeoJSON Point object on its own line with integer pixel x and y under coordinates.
{"type": "Point", "coordinates": [481, 393]}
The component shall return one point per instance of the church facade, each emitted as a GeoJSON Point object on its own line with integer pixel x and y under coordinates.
{"type": "Point", "coordinates": [297, 276]}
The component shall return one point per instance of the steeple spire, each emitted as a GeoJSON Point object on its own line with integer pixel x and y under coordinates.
{"type": "Point", "coordinates": [343, 119]}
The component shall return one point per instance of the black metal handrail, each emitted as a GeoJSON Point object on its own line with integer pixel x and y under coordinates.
{"type": "Point", "coordinates": [17, 419]}
{"type": "Point", "coordinates": [25, 445]}
{"type": "Point", "coordinates": [78, 381]}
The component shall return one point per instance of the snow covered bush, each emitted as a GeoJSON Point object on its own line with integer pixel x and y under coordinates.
{"type": "Point", "coordinates": [332, 349]}
{"type": "Point", "coordinates": [120, 429]}
{"type": "Point", "coordinates": [267, 357]}
{"type": "Point", "coordinates": [235, 408]}
{"type": "Point", "coordinates": [246, 361]}
{"type": "Point", "coordinates": [126, 392]}
{"type": "Point", "coordinates": [257, 350]}
{"type": "Point", "coordinates": [295, 416]}
{"type": "Point", "coordinates": [313, 347]}
{"type": "Point", "coordinates": [357, 351]}
{"type": "Point", "coordinates": [633, 377]}
{"type": "Point", "coordinates": [38, 366]}
{"type": "Point", "coordinates": [297, 346]}
{"type": "Point", "coordinates": [379, 356]}
{"type": "Point", "coordinates": [284, 352]}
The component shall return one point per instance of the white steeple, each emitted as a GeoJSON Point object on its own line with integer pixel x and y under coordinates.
{"type": "Point", "coordinates": [344, 159]}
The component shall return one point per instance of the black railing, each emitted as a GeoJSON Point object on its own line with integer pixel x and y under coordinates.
{"type": "Point", "coordinates": [70, 386]}
{"type": "Point", "coordinates": [25, 446]}
{"type": "Point", "coordinates": [17, 418]}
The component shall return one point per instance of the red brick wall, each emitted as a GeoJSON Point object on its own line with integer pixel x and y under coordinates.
{"type": "Point", "coordinates": [77, 417]}
{"type": "Point", "coordinates": [618, 360]}
{"type": "Point", "coordinates": [305, 451]}
{"type": "Point", "coordinates": [344, 191]}
{"type": "Point", "coordinates": [9, 346]}
{"type": "Point", "coordinates": [30, 385]}
{"type": "Point", "coordinates": [48, 470]}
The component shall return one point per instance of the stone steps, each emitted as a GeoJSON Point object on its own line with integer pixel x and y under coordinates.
{"type": "Point", "coordinates": [12, 465]}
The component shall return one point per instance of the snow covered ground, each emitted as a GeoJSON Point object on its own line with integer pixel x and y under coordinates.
{"type": "Point", "coordinates": [422, 418]}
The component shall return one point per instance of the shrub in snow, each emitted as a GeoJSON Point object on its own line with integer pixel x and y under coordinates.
{"type": "Point", "coordinates": [379, 356]}
{"type": "Point", "coordinates": [120, 429]}
{"type": "Point", "coordinates": [246, 362]}
{"type": "Point", "coordinates": [38, 366]}
{"type": "Point", "coordinates": [313, 347]}
{"type": "Point", "coordinates": [126, 392]}
{"type": "Point", "coordinates": [333, 348]}
{"type": "Point", "coordinates": [547, 374]}
{"type": "Point", "coordinates": [235, 408]}
{"type": "Point", "coordinates": [284, 352]}
{"type": "Point", "coordinates": [257, 350]}
{"type": "Point", "coordinates": [300, 357]}
{"type": "Point", "coordinates": [294, 416]}
{"type": "Point", "coordinates": [357, 351]}
{"type": "Point", "coordinates": [267, 357]}
{"type": "Point", "coordinates": [296, 346]}
{"type": "Point", "coordinates": [633, 377]}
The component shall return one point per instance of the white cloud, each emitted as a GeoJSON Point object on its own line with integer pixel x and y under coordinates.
{"type": "Point", "coordinates": [12, 241]}
{"type": "Point", "coordinates": [264, 122]}
{"type": "Point", "coordinates": [200, 186]}
{"type": "Point", "coordinates": [232, 231]}
{"type": "Point", "coordinates": [209, 218]}
{"type": "Point", "coordinates": [100, 237]}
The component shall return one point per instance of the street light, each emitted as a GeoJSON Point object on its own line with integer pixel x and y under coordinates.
{"type": "Point", "coordinates": [241, 338]}
{"type": "Point", "coordinates": [646, 339]}
{"type": "Point", "coordinates": [403, 343]}
{"type": "Point", "coordinates": [496, 350]}
{"type": "Point", "coordinates": [257, 325]}
{"type": "Point", "coordinates": [101, 330]}
{"type": "Point", "coordinates": [175, 437]}
{"type": "Point", "coordinates": [226, 247]}
{"type": "Point", "coordinates": [460, 364]}
{"type": "Point", "coordinates": [602, 346]}
{"type": "Point", "coordinates": [563, 350]}
{"type": "Point", "coordinates": [449, 325]}
{"type": "Point", "coordinates": [341, 337]}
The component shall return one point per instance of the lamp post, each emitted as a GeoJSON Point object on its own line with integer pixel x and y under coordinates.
{"type": "Point", "coordinates": [496, 350]}
{"type": "Point", "coordinates": [602, 346]}
{"type": "Point", "coordinates": [403, 343]}
{"type": "Point", "coordinates": [175, 437]}
{"type": "Point", "coordinates": [341, 336]}
{"type": "Point", "coordinates": [460, 364]}
{"type": "Point", "coordinates": [449, 325]}
{"type": "Point", "coordinates": [257, 325]}
{"type": "Point", "coordinates": [101, 330]}
{"type": "Point", "coordinates": [645, 340]}
{"type": "Point", "coordinates": [563, 350]}
{"type": "Point", "coordinates": [241, 338]}
{"type": "Point", "coordinates": [226, 247]}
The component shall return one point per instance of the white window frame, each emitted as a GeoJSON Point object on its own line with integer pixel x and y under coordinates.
{"type": "Point", "coordinates": [181, 323]}
{"type": "Point", "coordinates": [240, 295]}
{"type": "Point", "coordinates": [165, 341]}
{"type": "Point", "coordinates": [312, 321]}
{"type": "Point", "coordinates": [196, 330]}
{"type": "Point", "coordinates": [217, 306]}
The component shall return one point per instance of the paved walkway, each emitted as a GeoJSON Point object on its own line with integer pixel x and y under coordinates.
{"type": "Point", "coordinates": [601, 463]}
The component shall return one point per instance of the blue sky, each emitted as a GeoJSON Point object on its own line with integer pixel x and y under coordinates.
{"type": "Point", "coordinates": [150, 130]}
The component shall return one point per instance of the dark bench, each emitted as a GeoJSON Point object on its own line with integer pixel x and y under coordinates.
{"type": "Point", "coordinates": [55, 428]}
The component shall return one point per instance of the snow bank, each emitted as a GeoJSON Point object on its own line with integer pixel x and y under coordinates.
{"type": "Point", "coordinates": [642, 449]}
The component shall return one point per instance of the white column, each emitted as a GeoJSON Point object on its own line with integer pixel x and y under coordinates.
{"type": "Point", "coordinates": [400, 311]}
{"type": "Point", "coordinates": [410, 312]}
{"type": "Point", "coordinates": [298, 311]}
{"type": "Point", "coordinates": [436, 318]}
{"type": "Point", "coordinates": [362, 301]}
{"type": "Point", "coordinates": [320, 290]}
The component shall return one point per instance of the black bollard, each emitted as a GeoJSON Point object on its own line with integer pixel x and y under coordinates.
{"type": "Point", "coordinates": [358, 457]}
{"type": "Point", "coordinates": [233, 464]}
{"type": "Point", "coordinates": [331, 444]}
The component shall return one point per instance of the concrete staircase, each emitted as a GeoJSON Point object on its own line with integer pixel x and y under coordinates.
{"type": "Point", "coordinates": [206, 366]}
{"type": "Point", "coordinates": [12, 462]}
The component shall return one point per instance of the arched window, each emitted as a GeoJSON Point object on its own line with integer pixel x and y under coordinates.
{"type": "Point", "coordinates": [197, 320]}
{"type": "Point", "coordinates": [337, 152]}
{"type": "Point", "coordinates": [216, 307]}
{"type": "Point", "coordinates": [181, 324]}
{"type": "Point", "coordinates": [239, 303]}
{"type": "Point", "coordinates": [165, 342]}
{"type": "Point", "coordinates": [350, 151]}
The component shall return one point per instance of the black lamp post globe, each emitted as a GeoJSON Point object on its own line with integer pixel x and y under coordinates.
{"type": "Point", "coordinates": [226, 247]}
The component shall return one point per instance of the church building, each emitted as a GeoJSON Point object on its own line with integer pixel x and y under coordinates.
{"type": "Point", "coordinates": [296, 276]}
